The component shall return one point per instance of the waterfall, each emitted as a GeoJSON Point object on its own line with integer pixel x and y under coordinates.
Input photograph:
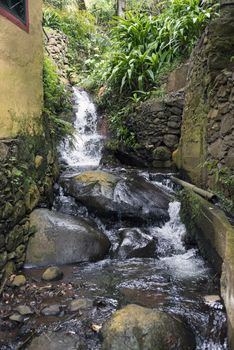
{"type": "Point", "coordinates": [85, 149]}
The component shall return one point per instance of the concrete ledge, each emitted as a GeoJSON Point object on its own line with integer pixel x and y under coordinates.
{"type": "Point", "coordinates": [214, 234]}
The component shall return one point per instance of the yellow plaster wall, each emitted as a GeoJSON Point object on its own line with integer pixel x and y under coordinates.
{"type": "Point", "coordinates": [21, 59]}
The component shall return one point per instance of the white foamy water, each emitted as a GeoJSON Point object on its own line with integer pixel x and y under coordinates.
{"type": "Point", "coordinates": [183, 263]}
{"type": "Point", "coordinates": [173, 231]}
{"type": "Point", "coordinates": [85, 150]}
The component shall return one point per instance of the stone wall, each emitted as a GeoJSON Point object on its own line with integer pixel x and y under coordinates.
{"type": "Point", "coordinates": [27, 172]}
{"type": "Point", "coordinates": [56, 44]}
{"type": "Point", "coordinates": [208, 121]}
{"type": "Point", "coordinates": [156, 125]}
{"type": "Point", "coordinates": [21, 58]}
{"type": "Point", "coordinates": [27, 153]}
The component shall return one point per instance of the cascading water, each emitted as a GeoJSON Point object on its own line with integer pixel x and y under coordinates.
{"type": "Point", "coordinates": [174, 279]}
{"type": "Point", "coordinates": [84, 150]}
{"type": "Point", "coordinates": [177, 281]}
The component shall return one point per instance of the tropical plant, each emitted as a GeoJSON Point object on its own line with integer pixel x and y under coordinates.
{"type": "Point", "coordinates": [143, 45]}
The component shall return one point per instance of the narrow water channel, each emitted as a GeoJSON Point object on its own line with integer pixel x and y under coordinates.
{"type": "Point", "coordinates": [172, 278]}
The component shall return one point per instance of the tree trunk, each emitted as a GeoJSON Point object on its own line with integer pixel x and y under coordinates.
{"type": "Point", "coordinates": [121, 4]}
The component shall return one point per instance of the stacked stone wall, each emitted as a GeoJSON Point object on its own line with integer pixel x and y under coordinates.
{"type": "Point", "coordinates": [206, 148]}
{"type": "Point", "coordinates": [56, 44]}
{"type": "Point", "coordinates": [156, 125]}
{"type": "Point", "coordinates": [27, 172]}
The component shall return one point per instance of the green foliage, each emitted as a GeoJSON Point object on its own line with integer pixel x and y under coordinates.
{"type": "Point", "coordinates": [102, 10]}
{"type": "Point", "coordinates": [119, 128]}
{"type": "Point", "coordinates": [79, 26]}
{"type": "Point", "coordinates": [56, 103]}
{"type": "Point", "coordinates": [143, 45]}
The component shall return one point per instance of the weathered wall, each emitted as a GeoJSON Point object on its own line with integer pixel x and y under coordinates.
{"type": "Point", "coordinates": [214, 234]}
{"type": "Point", "coordinates": [208, 120]}
{"type": "Point", "coordinates": [27, 169]}
{"type": "Point", "coordinates": [27, 152]}
{"type": "Point", "coordinates": [156, 125]}
{"type": "Point", "coordinates": [20, 72]}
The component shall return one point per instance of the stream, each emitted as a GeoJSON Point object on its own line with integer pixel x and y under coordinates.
{"type": "Point", "coordinates": [166, 275]}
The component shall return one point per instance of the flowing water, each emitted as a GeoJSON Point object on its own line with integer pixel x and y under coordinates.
{"type": "Point", "coordinates": [86, 147]}
{"type": "Point", "coordinates": [176, 280]}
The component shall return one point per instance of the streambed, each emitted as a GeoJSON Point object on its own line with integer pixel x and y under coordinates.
{"type": "Point", "coordinates": [174, 279]}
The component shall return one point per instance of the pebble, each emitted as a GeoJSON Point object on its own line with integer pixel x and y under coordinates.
{"type": "Point", "coordinates": [80, 304]}
{"type": "Point", "coordinates": [19, 281]}
{"type": "Point", "coordinates": [16, 318]}
{"type": "Point", "coordinates": [52, 274]}
{"type": "Point", "coordinates": [24, 310]}
{"type": "Point", "coordinates": [52, 310]}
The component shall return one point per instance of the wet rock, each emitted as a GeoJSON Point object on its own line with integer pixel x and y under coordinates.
{"type": "Point", "coordinates": [135, 243]}
{"type": "Point", "coordinates": [52, 274]}
{"type": "Point", "coordinates": [52, 310]}
{"type": "Point", "coordinates": [24, 310]}
{"type": "Point", "coordinates": [56, 341]}
{"type": "Point", "coordinates": [62, 239]}
{"type": "Point", "coordinates": [18, 281]}
{"type": "Point", "coordinates": [17, 318]}
{"type": "Point", "coordinates": [212, 299]}
{"type": "Point", "coordinates": [138, 328]}
{"type": "Point", "coordinates": [80, 304]}
{"type": "Point", "coordinates": [109, 196]}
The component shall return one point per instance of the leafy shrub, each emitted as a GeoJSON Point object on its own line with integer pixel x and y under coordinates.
{"type": "Point", "coordinates": [143, 45]}
{"type": "Point", "coordinates": [102, 10]}
{"type": "Point", "coordinates": [56, 103]}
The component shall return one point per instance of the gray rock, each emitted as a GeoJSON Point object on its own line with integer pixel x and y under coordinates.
{"type": "Point", "coordinates": [80, 304]}
{"type": "Point", "coordinates": [52, 274]}
{"type": "Point", "coordinates": [17, 318]}
{"type": "Point", "coordinates": [56, 341]}
{"type": "Point", "coordinates": [129, 197]}
{"type": "Point", "coordinates": [52, 310]}
{"type": "Point", "coordinates": [170, 140]}
{"type": "Point", "coordinates": [227, 124]}
{"type": "Point", "coordinates": [138, 328]}
{"type": "Point", "coordinates": [24, 310]}
{"type": "Point", "coordinates": [62, 239]}
{"type": "Point", "coordinates": [135, 243]}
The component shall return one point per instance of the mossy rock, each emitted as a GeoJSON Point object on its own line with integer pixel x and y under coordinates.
{"type": "Point", "coordinates": [162, 153]}
{"type": "Point", "coordinates": [138, 328]}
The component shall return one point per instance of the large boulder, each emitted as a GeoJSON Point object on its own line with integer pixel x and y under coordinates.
{"type": "Point", "coordinates": [62, 239]}
{"type": "Point", "coordinates": [128, 197]}
{"type": "Point", "coordinates": [135, 243]}
{"type": "Point", "coordinates": [138, 328]}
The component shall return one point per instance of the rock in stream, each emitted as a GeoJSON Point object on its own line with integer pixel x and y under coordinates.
{"type": "Point", "coordinates": [137, 328]}
{"type": "Point", "coordinates": [62, 239]}
{"type": "Point", "coordinates": [110, 196]}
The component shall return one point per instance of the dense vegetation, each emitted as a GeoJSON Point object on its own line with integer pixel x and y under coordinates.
{"type": "Point", "coordinates": [127, 57]}
{"type": "Point", "coordinates": [57, 105]}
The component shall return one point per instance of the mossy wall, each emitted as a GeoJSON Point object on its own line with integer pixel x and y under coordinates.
{"type": "Point", "coordinates": [210, 228]}
{"type": "Point", "coordinates": [207, 133]}
{"type": "Point", "coordinates": [27, 152]}
{"type": "Point", "coordinates": [27, 172]}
